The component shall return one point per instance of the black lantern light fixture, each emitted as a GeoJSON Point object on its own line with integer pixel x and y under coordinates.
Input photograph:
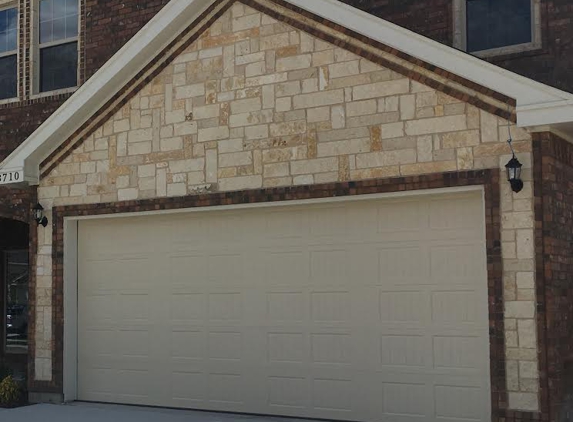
{"type": "Point", "coordinates": [513, 167]}
{"type": "Point", "coordinates": [39, 216]}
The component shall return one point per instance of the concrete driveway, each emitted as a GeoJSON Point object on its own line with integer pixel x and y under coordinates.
{"type": "Point", "coordinates": [87, 412]}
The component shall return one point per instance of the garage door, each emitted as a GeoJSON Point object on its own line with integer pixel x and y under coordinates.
{"type": "Point", "coordinates": [363, 310]}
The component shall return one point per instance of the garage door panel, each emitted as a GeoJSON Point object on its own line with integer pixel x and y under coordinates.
{"type": "Point", "coordinates": [367, 310]}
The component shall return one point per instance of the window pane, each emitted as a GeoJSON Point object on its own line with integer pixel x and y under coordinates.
{"type": "Point", "coordinates": [497, 23]}
{"type": "Point", "coordinates": [45, 10]}
{"type": "Point", "coordinates": [8, 77]}
{"type": "Point", "coordinates": [58, 67]}
{"type": "Point", "coordinates": [16, 277]}
{"type": "Point", "coordinates": [58, 20]}
{"type": "Point", "coordinates": [8, 30]}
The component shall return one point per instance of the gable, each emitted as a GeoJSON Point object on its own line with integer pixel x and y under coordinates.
{"type": "Point", "coordinates": [76, 120]}
{"type": "Point", "coordinates": [254, 103]}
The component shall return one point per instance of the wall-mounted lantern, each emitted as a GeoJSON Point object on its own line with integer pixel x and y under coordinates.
{"type": "Point", "coordinates": [513, 168]}
{"type": "Point", "coordinates": [39, 216]}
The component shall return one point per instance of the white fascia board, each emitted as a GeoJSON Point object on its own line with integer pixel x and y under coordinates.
{"type": "Point", "coordinates": [526, 91]}
{"type": "Point", "coordinates": [102, 86]}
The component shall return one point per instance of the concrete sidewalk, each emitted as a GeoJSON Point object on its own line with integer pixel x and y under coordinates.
{"type": "Point", "coordinates": [87, 412]}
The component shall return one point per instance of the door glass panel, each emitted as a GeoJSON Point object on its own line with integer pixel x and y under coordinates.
{"type": "Point", "coordinates": [16, 275]}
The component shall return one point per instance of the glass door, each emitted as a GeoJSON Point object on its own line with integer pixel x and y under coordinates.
{"type": "Point", "coordinates": [16, 276]}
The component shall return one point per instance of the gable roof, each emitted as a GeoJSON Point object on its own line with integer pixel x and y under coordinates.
{"type": "Point", "coordinates": [417, 56]}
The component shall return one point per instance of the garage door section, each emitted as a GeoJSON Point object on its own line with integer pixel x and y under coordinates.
{"type": "Point", "coordinates": [365, 310]}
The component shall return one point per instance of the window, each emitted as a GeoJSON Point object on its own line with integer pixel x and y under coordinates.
{"type": "Point", "coordinates": [493, 27]}
{"type": "Point", "coordinates": [8, 53]}
{"type": "Point", "coordinates": [58, 44]}
{"type": "Point", "coordinates": [16, 304]}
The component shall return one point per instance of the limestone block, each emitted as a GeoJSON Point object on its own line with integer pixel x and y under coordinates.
{"type": "Point", "coordinates": [241, 183]}
{"type": "Point", "coordinates": [381, 89]}
{"type": "Point", "coordinates": [386, 158]}
{"type": "Point", "coordinates": [189, 91]}
{"type": "Point", "coordinates": [348, 68]}
{"type": "Point", "coordinates": [460, 139]}
{"type": "Point", "coordinates": [519, 309]}
{"type": "Point", "coordinates": [436, 125]}
{"type": "Point", "coordinates": [288, 128]}
{"type": "Point", "coordinates": [184, 166]}
{"type": "Point", "coordinates": [523, 401]}
{"type": "Point", "coordinates": [128, 194]}
{"type": "Point", "coordinates": [213, 134]}
{"type": "Point", "coordinates": [407, 107]}
{"type": "Point", "coordinates": [337, 148]}
{"type": "Point", "coordinates": [246, 105]}
{"type": "Point", "coordinates": [319, 165]}
{"type": "Point", "coordinates": [302, 61]}
{"type": "Point", "coordinates": [257, 132]}
{"type": "Point", "coordinates": [392, 130]}
{"type": "Point", "coordinates": [527, 332]}
{"type": "Point", "coordinates": [276, 170]}
{"type": "Point", "coordinates": [361, 108]}
{"type": "Point", "coordinates": [318, 99]}
{"type": "Point", "coordinates": [235, 159]}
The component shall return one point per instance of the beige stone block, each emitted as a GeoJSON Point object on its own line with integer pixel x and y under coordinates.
{"type": "Point", "coordinates": [406, 142]}
{"type": "Point", "coordinates": [121, 125]}
{"type": "Point", "coordinates": [326, 177]}
{"type": "Point", "coordinates": [147, 170]}
{"type": "Point", "coordinates": [392, 130]}
{"type": "Point", "coordinates": [426, 99]}
{"type": "Point", "coordinates": [511, 339]}
{"type": "Point", "coordinates": [460, 139]}
{"type": "Point", "coordinates": [276, 170]}
{"type": "Point", "coordinates": [319, 165]}
{"type": "Point", "coordinates": [386, 158]}
{"type": "Point", "coordinates": [275, 41]}
{"type": "Point", "coordinates": [213, 134]}
{"type": "Point", "coordinates": [527, 331]}
{"type": "Point", "coordinates": [140, 135]}
{"type": "Point", "coordinates": [389, 104]}
{"type": "Point", "coordinates": [361, 108]}
{"type": "Point", "coordinates": [128, 194]}
{"type": "Point", "coordinates": [519, 310]}
{"type": "Point", "coordinates": [428, 168]}
{"type": "Point", "coordinates": [186, 128]}
{"type": "Point", "coordinates": [184, 166]}
{"type": "Point", "coordinates": [528, 370]}
{"type": "Point", "coordinates": [236, 159]}
{"type": "Point", "coordinates": [517, 220]}
{"type": "Point", "coordinates": [425, 148]}
{"type": "Point", "coordinates": [525, 244]}
{"type": "Point", "coordinates": [78, 190]}
{"type": "Point", "coordinates": [88, 167]}
{"type": "Point", "coordinates": [525, 280]}
{"type": "Point", "coordinates": [139, 148]}
{"type": "Point", "coordinates": [206, 112]}
{"type": "Point", "coordinates": [381, 89]}
{"type": "Point", "coordinates": [375, 173]}
{"type": "Point", "coordinates": [465, 158]}
{"type": "Point", "coordinates": [257, 132]}
{"type": "Point", "coordinates": [266, 79]}
{"type": "Point", "coordinates": [302, 61]}
{"type": "Point", "coordinates": [319, 114]}
{"type": "Point", "coordinates": [243, 23]}
{"type": "Point", "coordinates": [523, 401]}
{"type": "Point", "coordinates": [367, 66]}
{"type": "Point", "coordinates": [146, 183]}
{"type": "Point", "coordinates": [512, 375]}
{"type": "Point", "coordinates": [241, 183]}
{"type": "Point", "coordinates": [246, 105]}
{"type": "Point", "coordinates": [288, 89]}
{"type": "Point", "coordinates": [189, 91]}
{"type": "Point", "coordinates": [373, 119]}
{"type": "Point", "coordinates": [288, 128]}
{"type": "Point", "coordinates": [343, 134]}
{"type": "Point", "coordinates": [436, 125]}
{"type": "Point", "coordinates": [277, 181]}
{"type": "Point", "coordinates": [210, 52]}
{"type": "Point", "coordinates": [309, 85]}
{"type": "Point", "coordinates": [338, 117]}
{"type": "Point", "coordinates": [336, 148]}
{"type": "Point", "coordinates": [253, 118]}
{"type": "Point", "coordinates": [255, 69]}
{"type": "Point", "coordinates": [284, 104]}
{"type": "Point", "coordinates": [407, 107]}
{"type": "Point", "coordinates": [176, 189]}
{"type": "Point", "coordinates": [508, 250]}
{"type": "Point", "coordinates": [318, 99]}
{"type": "Point", "coordinates": [171, 144]}
{"type": "Point", "coordinates": [454, 109]}
{"type": "Point", "coordinates": [268, 96]}
{"type": "Point", "coordinates": [322, 58]}
{"type": "Point", "coordinates": [307, 179]}
{"type": "Point", "coordinates": [529, 385]}
{"type": "Point", "coordinates": [347, 68]}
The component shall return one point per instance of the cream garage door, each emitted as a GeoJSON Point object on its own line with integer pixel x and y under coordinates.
{"type": "Point", "coordinates": [364, 310]}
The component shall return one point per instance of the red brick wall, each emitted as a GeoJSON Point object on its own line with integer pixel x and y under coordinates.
{"type": "Point", "coordinates": [553, 170]}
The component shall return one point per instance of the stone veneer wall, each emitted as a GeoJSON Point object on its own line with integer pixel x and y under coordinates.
{"type": "Point", "coordinates": [255, 103]}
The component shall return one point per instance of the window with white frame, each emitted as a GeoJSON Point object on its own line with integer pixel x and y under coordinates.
{"type": "Point", "coordinates": [494, 27]}
{"type": "Point", "coordinates": [57, 61]}
{"type": "Point", "coordinates": [8, 53]}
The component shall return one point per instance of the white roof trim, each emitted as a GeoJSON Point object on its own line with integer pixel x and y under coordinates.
{"type": "Point", "coordinates": [537, 104]}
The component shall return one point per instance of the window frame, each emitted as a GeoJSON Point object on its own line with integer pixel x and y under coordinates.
{"type": "Point", "coordinates": [12, 4]}
{"type": "Point", "coordinates": [7, 349]}
{"type": "Point", "coordinates": [460, 32]}
{"type": "Point", "coordinates": [37, 47]}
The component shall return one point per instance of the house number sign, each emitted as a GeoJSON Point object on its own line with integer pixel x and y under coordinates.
{"type": "Point", "coordinates": [10, 176]}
